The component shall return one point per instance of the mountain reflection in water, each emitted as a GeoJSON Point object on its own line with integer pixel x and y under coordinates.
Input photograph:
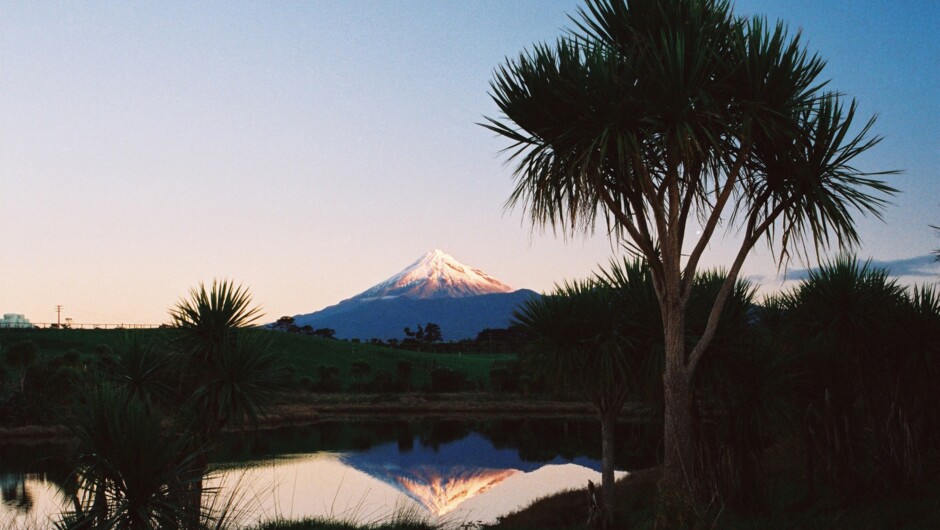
{"type": "Point", "coordinates": [443, 477]}
{"type": "Point", "coordinates": [447, 472]}
{"type": "Point", "coordinates": [468, 479]}
{"type": "Point", "coordinates": [441, 494]}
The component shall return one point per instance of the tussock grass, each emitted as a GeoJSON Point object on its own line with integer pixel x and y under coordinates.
{"type": "Point", "coordinates": [403, 518]}
{"type": "Point", "coordinates": [324, 524]}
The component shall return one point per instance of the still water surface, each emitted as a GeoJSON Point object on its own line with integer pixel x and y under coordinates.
{"type": "Point", "coordinates": [359, 470]}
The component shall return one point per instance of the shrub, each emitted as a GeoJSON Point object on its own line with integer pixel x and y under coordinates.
{"type": "Point", "coordinates": [382, 382]}
{"type": "Point", "coordinates": [21, 356]}
{"type": "Point", "coordinates": [70, 358]}
{"type": "Point", "coordinates": [329, 379]}
{"type": "Point", "coordinates": [504, 376]}
{"type": "Point", "coordinates": [447, 380]}
{"type": "Point", "coordinates": [360, 370]}
{"type": "Point", "coordinates": [404, 370]}
{"type": "Point", "coordinates": [103, 350]}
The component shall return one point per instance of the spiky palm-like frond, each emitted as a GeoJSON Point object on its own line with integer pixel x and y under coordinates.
{"type": "Point", "coordinates": [241, 383]}
{"type": "Point", "coordinates": [131, 469]}
{"type": "Point", "coordinates": [809, 178]}
{"type": "Point", "coordinates": [228, 371]}
{"type": "Point", "coordinates": [645, 101]}
{"type": "Point", "coordinates": [867, 364]}
{"type": "Point", "coordinates": [920, 341]}
{"type": "Point", "coordinates": [632, 284]}
{"type": "Point", "coordinates": [146, 373]}
{"type": "Point", "coordinates": [580, 341]}
{"type": "Point", "coordinates": [848, 298]}
{"type": "Point", "coordinates": [209, 317]}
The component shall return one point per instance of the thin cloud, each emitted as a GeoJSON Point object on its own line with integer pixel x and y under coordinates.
{"type": "Point", "coordinates": [924, 266]}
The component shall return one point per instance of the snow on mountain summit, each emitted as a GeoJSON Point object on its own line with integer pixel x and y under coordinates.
{"type": "Point", "coordinates": [436, 275]}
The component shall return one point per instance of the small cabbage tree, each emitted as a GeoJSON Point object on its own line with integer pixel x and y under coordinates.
{"type": "Point", "coordinates": [227, 370]}
{"type": "Point", "coordinates": [228, 374]}
{"type": "Point", "coordinates": [581, 342]}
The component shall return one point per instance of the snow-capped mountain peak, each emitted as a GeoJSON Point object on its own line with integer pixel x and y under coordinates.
{"type": "Point", "coordinates": [461, 299]}
{"type": "Point", "coordinates": [436, 275]}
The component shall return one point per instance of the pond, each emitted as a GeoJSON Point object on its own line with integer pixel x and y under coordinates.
{"type": "Point", "coordinates": [363, 470]}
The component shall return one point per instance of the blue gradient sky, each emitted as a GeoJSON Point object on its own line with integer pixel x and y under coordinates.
{"type": "Point", "coordinates": [310, 150]}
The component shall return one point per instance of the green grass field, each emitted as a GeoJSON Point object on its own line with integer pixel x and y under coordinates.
{"type": "Point", "coordinates": [303, 353]}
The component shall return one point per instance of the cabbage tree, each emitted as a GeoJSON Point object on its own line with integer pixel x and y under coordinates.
{"type": "Point", "coordinates": [228, 374]}
{"type": "Point", "coordinates": [583, 343]}
{"type": "Point", "coordinates": [671, 120]}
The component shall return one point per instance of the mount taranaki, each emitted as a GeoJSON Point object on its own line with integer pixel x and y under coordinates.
{"type": "Point", "coordinates": [436, 288]}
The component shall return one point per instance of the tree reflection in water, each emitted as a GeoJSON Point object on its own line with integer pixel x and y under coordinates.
{"type": "Point", "coordinates": [14, 493]}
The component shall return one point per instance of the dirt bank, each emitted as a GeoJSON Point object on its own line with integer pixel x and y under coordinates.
{"type": "Point", "coordinates": [309, 408]}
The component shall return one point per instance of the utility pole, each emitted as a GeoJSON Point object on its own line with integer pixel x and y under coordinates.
{"type": "Point", "coordinates": [58, 316]}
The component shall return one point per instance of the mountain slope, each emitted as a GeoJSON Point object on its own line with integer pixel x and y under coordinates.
{"type": "Point", "coordinates": [459, 318]}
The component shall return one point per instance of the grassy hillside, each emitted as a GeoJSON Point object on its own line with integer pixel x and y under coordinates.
{"type": "Point", "coordinates": [308, 353]}
{"type": "Point", "coordinates": [303, 353]}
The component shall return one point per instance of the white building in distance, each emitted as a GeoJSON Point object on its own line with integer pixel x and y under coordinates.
{"type": "Point", "coordinates": [14, 320]}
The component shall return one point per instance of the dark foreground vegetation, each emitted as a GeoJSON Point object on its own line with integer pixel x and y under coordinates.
{"type": "Point", "coordinates": [811, 409]}
{"type": "Point", "coordinates": [814, 407]}
{"type": "Point", "coordinates": [637, 507]}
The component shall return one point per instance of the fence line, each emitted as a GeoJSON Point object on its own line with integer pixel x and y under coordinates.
{"type": "Point", "coordinates": [73, 325]}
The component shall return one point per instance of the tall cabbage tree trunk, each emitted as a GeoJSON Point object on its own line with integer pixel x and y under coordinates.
{"type": "Point", "coordinates": [678, 472]}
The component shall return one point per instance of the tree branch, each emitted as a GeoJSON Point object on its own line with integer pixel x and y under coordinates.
{"type": "Point", "coordinates": [649, 191]}
{"type": "Point", "coordinates": [752, 235]}
{"type": "Point", "coordinates": [712, 222]}
{"type": "Point", "coordinates": [639, 232]}
{"type": "Point", "coordinates": [691, 190]}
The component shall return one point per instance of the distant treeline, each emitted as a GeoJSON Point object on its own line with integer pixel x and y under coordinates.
{"type": "Point", "coordinates": [427, 338]}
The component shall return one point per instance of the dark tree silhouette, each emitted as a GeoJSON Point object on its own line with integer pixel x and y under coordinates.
{"type": "Point", "coordinates": [326, 333]}
{"type": "Point", "coordinates": [20, 357]}
{"type": "Point", "coordinates": [228, 374]}
{"type": "Point", "coordinates": [432, 332]}
{"type": "Point", "coordinates": [652, 113]}
{"type": "Point", "coordinates": [429, 333]}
